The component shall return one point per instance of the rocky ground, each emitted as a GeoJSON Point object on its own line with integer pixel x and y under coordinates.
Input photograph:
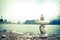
{"type": "Point", "coordinates": [8, 36]}
{"type": "Point", "coordinates": [15, 36]}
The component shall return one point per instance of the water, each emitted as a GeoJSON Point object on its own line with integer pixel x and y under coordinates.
{"type": "Point", "coordinates": [22, 28]}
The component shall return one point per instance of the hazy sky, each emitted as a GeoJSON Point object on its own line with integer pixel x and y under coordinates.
{"type": "Point", "coordinates": [22, 10]}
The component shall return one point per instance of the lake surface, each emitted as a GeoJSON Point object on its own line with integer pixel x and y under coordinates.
{"type": "Point", "coordinates": [23, 28]}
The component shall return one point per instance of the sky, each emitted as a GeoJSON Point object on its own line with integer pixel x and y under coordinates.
{"type": "Point", "coordinates": [14, 10]}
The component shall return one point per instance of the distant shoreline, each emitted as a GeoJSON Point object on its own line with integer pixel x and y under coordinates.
{"type": "Point", "coordinates": [28, 24]}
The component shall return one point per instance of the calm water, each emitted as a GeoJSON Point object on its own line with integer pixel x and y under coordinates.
{"type": "Point", "coordinates": [21, 28]}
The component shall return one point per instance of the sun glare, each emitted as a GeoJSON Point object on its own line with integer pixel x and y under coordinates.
{"type": "Point", "coordinates": [26, 10]}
